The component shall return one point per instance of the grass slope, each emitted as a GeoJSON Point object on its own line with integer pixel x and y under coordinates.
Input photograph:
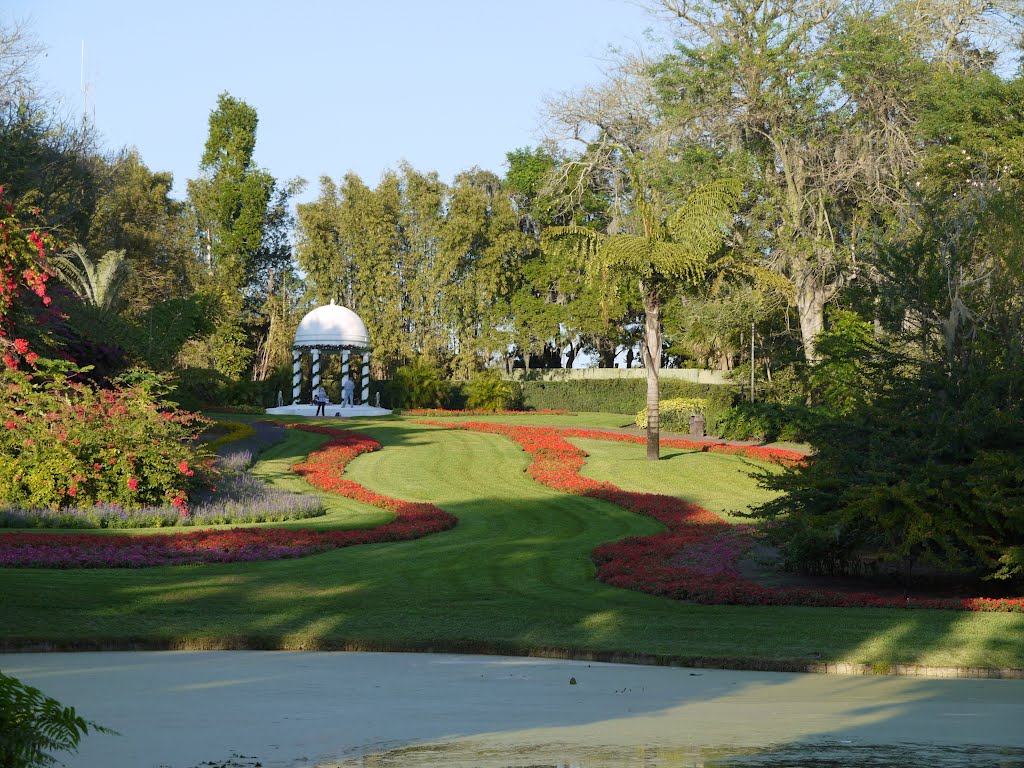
{"type": "Point", "coordinates": [514, 576]}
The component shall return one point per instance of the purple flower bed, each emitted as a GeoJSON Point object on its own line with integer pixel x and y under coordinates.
{"type": "Point", "coordinates": [241, 498]}
{"type": "Point", "coordinates": [235, 461]}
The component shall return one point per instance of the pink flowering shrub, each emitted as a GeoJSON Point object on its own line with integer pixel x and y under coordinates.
{"type": "Point", "coordinates": [66, 442]}
{"type": "Point", "coordinates": [23, 276]}
{"type": "Point", "coordinates": [697, 557]}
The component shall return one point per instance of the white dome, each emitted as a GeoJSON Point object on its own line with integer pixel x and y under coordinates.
{"type": "Point", "coordinates": [332, 326]}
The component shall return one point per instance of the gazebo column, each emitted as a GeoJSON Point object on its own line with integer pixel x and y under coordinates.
{"type": "Point", "coordinates": [344, 370]}
{"type": "Point", "coordinates": [316, 370]}
{"type": "Point", "coordinates": [366, 378]}
{"type": "Point", "coordinates": [296, 375]}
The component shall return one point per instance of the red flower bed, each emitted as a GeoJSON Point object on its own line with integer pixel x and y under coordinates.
{"type": "Point", "coordinates": [470, 412]}
{"type": "Point", "coordinates": [323, 469]}
{"type": "Point", "coordinates": [697, 558]}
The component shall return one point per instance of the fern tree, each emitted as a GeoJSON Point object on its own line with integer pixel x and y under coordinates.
{"type": "Point", "coordinates": [669, 250]}
{"type": "Point", "coordinates": [99, 283]}
{"type": "Point", "coordinates": [33, 726]}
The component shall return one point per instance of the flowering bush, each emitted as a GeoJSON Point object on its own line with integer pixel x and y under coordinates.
{"type": "Point", "coordinates": [23, 276]}
{"type": "Point", "coordinates": [64, 441]}
{"type": "Point", "coordinates": [322, 468]}
{"type": "Point", "coordinates": [697, 557]}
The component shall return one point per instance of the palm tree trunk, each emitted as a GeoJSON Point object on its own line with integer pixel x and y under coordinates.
{"type": "Point", "coordinates": [652, 362]}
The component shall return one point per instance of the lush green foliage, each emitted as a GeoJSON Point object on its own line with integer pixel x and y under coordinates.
{"type": "Point", "coordinates": [233, 202]}
{"type": "Point", "coordinates": [928, 473]}
{"type": "Point", "coordinates": [768, 422]}
{"type": "Point", "coordinates": [33, 726]}
{"type": "Point", "coordinates": [199, 388]}
{"type": "Point", "coordinates": [97, 283]}
{"type": "Point", "coordinates": [64, 440]}
{"type": "Point", "coordinates": [490, 391]}
{"type": "Point", "coordinates": [420, 384]}
{"type": "Point", "coordinates": [153, 337]}
{"type": "Point", "coordinates": [428, 266]}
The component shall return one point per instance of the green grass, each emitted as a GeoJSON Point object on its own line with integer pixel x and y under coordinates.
{"type": "Point", "coordinates": [514, 576]}
{"type": "Point", "coordinates": [720, 483]}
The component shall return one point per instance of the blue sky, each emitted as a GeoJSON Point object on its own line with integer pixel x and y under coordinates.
{"type": "Point", "coordinates": [338, 86]}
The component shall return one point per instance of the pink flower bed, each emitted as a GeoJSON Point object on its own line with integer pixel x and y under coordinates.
{"type": "Point", "coordinates": [697, 557]}
{"type": "Point", "coordinates": [322, 469]}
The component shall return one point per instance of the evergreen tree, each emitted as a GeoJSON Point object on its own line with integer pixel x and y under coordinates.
{"type": "Point", "coordinates": [230, 200]}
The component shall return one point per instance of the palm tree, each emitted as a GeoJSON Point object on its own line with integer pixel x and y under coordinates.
{"type": "Point", "coordinates": [669, 250]}
{"type": "Point", "coordinates": [96, 284]}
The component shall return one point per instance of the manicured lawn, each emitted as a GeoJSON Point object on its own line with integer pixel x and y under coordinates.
{"type": "Point", "coordinates": [720, 483]}
{"type": "Point", "coordinates": [513, 576]}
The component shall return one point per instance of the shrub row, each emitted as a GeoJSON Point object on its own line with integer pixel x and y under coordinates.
{"type": "Point", "coordinates": [199, 388]}
{"type": "Point", "coordinates": [626, 396]}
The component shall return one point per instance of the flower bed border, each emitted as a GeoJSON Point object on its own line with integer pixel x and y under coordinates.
{"type": "Point", "coordinates": [650, 563]}
{"type": "Point", "coordinates": [323, 469]}
{"type": "Point", "coordinates": [478, 412]}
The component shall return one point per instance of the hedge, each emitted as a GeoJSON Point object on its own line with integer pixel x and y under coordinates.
{"type": "Point", "coordinates": [626, 396]}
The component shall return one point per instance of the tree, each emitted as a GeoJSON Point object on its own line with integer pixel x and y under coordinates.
{"type": "Point", "coordinates": [629, 154]}
{"type": "Point", "coordinates": [33, 726]}
{"type": "Point", "coordinates": [96, 283]}
{"type": "Point", "coordinates": [922, 461]}
{"type": "Point", "coordinates": [45, 160]}
{"type": "Point", "coordinates": [135, 213]}
{"type": "Point", "coordinates": [230, 201]}
{"type": "Point", "coordinates": [669, 251]}
{"type": "Point", "coordinates": [19, 50]}
{"type": "Point", "coordinates": [557, 305]}
{"type": "Point", "coordinates": [816, 102]}
{"type": "Point", "coordinates": [481, 253]}
{"type": "Point", "coordinates": [47, 164]}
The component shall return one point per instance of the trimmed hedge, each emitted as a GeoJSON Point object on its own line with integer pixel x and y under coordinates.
{"type": "Point", "coordinates": [626, 396]}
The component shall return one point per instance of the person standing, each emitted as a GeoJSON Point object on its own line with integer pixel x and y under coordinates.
{"type": "Point", "coordinates": [320, 400]}
{"type": "Point", "coordinates": [349, 386]}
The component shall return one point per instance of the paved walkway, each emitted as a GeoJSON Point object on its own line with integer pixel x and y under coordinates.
{"type": "Point", "coordinates": [276, 709]}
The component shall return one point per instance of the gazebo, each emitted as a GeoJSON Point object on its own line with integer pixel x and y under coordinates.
{"type": "Point", "coordinates": [332, 329]}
